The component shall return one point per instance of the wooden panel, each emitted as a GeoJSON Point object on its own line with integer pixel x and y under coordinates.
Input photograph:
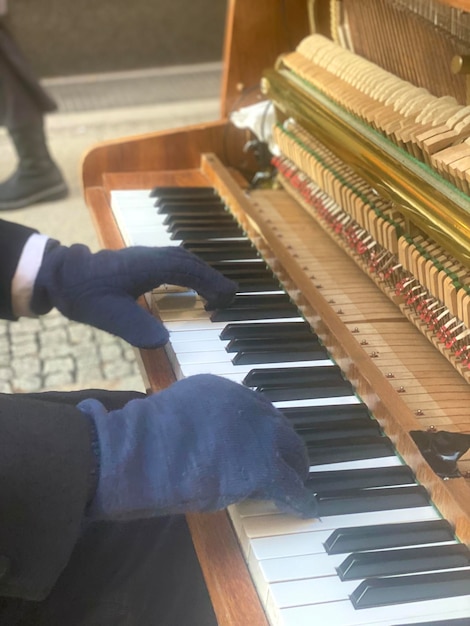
{"type": "Point", "coordinates": [167, 150]}
{"type": "Point", "coordinates": [256, 34]}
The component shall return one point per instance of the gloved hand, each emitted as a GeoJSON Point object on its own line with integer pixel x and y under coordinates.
{"type": "Point", "coordinates": [200, 445]}
{"type": "Point", "coordinates": [100, 289]}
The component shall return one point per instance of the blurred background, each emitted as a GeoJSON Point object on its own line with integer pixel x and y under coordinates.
{"type": "Point", "coordinates": [64, 38]}
{"type": "Point", "coordinates": [115, 69]}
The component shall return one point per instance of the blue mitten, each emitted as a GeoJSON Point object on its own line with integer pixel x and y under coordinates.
{"type": "Point", "coordinates": [200, 445]}
{"type": "Point", "coordinates": [101, 289]}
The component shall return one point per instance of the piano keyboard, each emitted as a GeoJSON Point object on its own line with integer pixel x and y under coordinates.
{"type": "Point", "coordinates": [379, 553]}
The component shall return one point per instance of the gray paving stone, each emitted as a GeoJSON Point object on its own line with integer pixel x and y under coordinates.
{"type": "Point", "coordinates": [79, 333]}
{"type": "Point", "coordinates": [27, 347]}
{"type": "Point", "coordinates": [26, 325]}
{"type": "Point", "coordinates": [66, 364]}
{"type": "Point", "coordinates": [25, 366]}
{"type": "Point", "coordinates": [89, 374]}
{"type": "Point", "coordinates": [5, 386]}
{"type": "Point", "coordinates": [58, 379]}
{"type": "Point", "coordinates": [54, 350]}
{"type": "Point", "coordinates": [119, 369]}
{"type": "Point", "coordinates": [26, 384]}
{"type": "Point", "coordinates": [5, 344]}
{"type": "Point", "coordinates": [111, 351]}
{"type": "Point", "coordinates": [52, 320]}
{"type": "Point", "coordinates": [6, 373]}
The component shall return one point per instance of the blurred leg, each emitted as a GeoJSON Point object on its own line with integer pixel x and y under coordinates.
{"type": "Point", "coordinates": [23, 103]}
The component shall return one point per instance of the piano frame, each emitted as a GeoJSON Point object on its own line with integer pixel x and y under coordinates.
{"type": "Point", "coordinates": [174, 157]}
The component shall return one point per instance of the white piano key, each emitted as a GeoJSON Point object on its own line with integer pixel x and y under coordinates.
{"type": "Point", "coordinates": [204, 323]}
{"type": "Point", "coordinates": [317, 569]}
{"type": "Point", "coordinates": [277, 524]}
{"type": "Point", "coordinates": [193, 325]}
{"type": "Point", "coordinates": [299, 591]}
{"type": "Point", "coordinates": [130, 197]}
{"type": "Point", "coordinates": [285, 404]}
{"type": "Point", "coordinates": [294, 544]}
{"type": "Point", "coordinates": [265, 525]}
{"type": "Point", "coordinates": [228, 370]}
{"type": "Point", "coordinates": [189, 337]}
{"type": "Point", "coordinates": [386, 461]}
{"type": "Point", "coordinates": [203, 345]}
{"type": "Point", "coordinates": [342, 613]}
{"type": "Point", "coordinates": [302, 544]}
{"type": "Point", "coordinates": [305, 579]}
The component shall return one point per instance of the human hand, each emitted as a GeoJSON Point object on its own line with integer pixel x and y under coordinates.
{"type": "Point", "coordinates": [101, 289]}
{"type": "Point", "coordinates": [200, 445]}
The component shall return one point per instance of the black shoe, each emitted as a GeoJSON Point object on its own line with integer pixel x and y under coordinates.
{"type": "Point", "coordinates": [37, 178]}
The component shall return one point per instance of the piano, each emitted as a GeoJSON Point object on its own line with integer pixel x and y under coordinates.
{"type": "Point", "coordinates": [351, 247]}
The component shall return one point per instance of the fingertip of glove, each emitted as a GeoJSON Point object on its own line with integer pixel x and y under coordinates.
{"type": "Point", "coordinates": [149, 339]}
{"type": "Point", "coordinates": [304, 506]}
{"type": "Point", "coordinates": [223, 298]}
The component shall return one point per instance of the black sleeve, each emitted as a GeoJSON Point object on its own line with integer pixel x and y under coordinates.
{"type": "Point", "coordinates": [12, 240]}
{"type": "Point", "coordinates": [46, 461]}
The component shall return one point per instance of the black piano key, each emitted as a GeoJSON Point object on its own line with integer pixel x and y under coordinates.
{"type": "Point", "coordinates": [210, 218]}
{"type": "Point", "coordinates": [367, 500]}
{"type": "Point", "coordinates": [233, 315]}
{"type": "Point", "coordinates": [307, 416]}
{"type": "Point", "coordinates": [190, 192]}
{"type": "Point", "coordinates": [247, 301]}
{"type": "Point", "coordinates": [350, 449]}
{"type": "Point", "coordinates": [204, 233]}
{"type": "Point", "coordinates": [304, 392]}
{"type": "Point", "coordinates": [273, 343]}
{"type": "Point", "coordinates": [260, 284]}
{"type": "Point", "coordinates": [375, 592]}
{"type": "Point", "coordinates": [279, 356]}
{"type": "Point", "coordinates": [381, 536]}
{"type": "Point", "coordinates": [364, 427]}
{"type": "Point", "coordinates": [285, 376]}
{"type": "Point", "coordinates": [366, 478]}
{"type": "Point", "coordinates": [260, 330]}
{"type": "Point", "coordinates": [235, 268]}
{"type": "Point", "coordinates": [189, 201]}
{"type": "Point", "coordinates": [306, 424]}
{"type": "Point", "coordinates": [247, 274]}
{"type": "Point", "coordinates": [170, 208]}
{"type": "Point", "coordinates": [403, 561]}
{"type": "Point", "coordinates": [211, 251]}
{"type": "Point", "coordinates": [256, 306]}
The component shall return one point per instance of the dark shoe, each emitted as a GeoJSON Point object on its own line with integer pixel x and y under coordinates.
{"type": "Point", "coordinates": [37, 178]}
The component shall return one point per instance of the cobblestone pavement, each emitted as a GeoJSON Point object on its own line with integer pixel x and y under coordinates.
{"type": "Point", "coordinates": [55, 353]}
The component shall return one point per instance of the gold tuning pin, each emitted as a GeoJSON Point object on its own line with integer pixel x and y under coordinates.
{"type": "Point", "coordinates": [461, 65]}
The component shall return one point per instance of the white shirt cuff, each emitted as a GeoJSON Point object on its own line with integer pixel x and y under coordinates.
{"type": "Point", "coordinates": [26, 271]}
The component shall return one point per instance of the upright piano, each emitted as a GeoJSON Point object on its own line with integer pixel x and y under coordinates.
{"type": "Point", "coordinates": [353, 231]}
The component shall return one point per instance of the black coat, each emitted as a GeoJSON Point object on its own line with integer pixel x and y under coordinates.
{"type": "Point", "coordinates": [46, 467]}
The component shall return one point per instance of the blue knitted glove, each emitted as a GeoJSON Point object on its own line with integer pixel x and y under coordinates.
{"type": "Point", "coordinates": [101, 289]}
{"type": "Point", "coordinates": [200, 445]}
